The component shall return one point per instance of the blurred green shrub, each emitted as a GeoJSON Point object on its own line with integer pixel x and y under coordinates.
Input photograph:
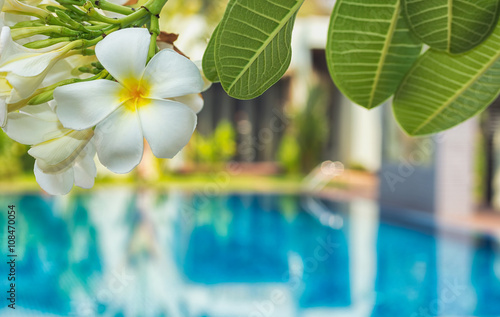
{"type": "Point", "coordinates": [14, 159]}
{"type": "Point", "coordinates": [219, 147]}
{"type": "Point", "coordinates": [211, 10]}
{"type": "Point", "coordinates": [302, 146]}
{"type": "Point", "coordinates": [356, 166]}
{"type": "Point", "coordinates": [289, 153]}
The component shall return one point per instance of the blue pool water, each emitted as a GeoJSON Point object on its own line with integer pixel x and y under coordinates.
{"type": "Point", "coordinates": [120, 253]}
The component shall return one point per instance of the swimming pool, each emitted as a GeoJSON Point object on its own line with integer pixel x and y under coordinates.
{"type": "Point", "coordinates": [124, 253]}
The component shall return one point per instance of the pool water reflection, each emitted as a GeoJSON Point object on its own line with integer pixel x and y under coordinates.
{"type": "Point", "coordinates": [127, 254]}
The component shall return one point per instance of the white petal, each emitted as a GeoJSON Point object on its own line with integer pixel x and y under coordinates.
{"type": "Point", "coordinates": [112, 15]}
{"type": "Point", "coordinates": [165, 46]}
{"type": "Point", "coordinates": [84, 168]}
{"type": "Point", "coordinates": [13, 19]}
{"type": "Point", "coordinates": [14, 97]}
{"type": "Point", "coordinates": [16, 7]}
{"type": "Point", "coordinates": [61, 152]}
{"type": "Point", "coordinates": [3, 112]}
{"type": "Point", "coordinates": [27, 62]}
{"type": "Point", "coordinates": [83, 105]}
{"type": "Point", "coordinates": [5, 86]}
{"type": "Point", "coordinates": [167, 126]}
{"type": "Point", "coordinates": [24, 87]}
{"type": "Point", "coordinates": [124, 53]}
{"type": "Point", "coordinates": [60, 71]}
{"type": "Point", "coordinates": [206, 83]}
{"type": "Point", "coordinates": [5, 38]}
{"type": "Point", "coordinates": [29, 129]}
{"type": "Point", "coordinates": [193, 101]}
{"type": "Point", "coordinates": [32, 65]}
{"type": "Point", "coordinates": [170, 74]}
{"type": "Point", "coordinates": [76, 61]}
{"type": "Point", "coordinates": [119, 141]}
{"type": "Point", "coordinates": [55, 184]}
{"type": "Point", "coordinates": [52, 104]}
{"type": "Point", "coordinates": [43, 111]}
{"type": "Point", "coordinates": [9, 48]}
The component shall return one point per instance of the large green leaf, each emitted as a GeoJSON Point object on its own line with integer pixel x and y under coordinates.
{"type": "Point", "coordinates": [252, 49]}
{"type": "Point", "coordinates": [455, 26]}
{"type": "Point", "coordinates": [442, 90]}
{"type": "Point", "coordinates": [370, 48]}
{"type": "Point", "coordinates": [208, 63]}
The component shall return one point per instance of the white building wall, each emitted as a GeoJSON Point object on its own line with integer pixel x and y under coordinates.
{"type": "Point", "coordinates": [455, 169]}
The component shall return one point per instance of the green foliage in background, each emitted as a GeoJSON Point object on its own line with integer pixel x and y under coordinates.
{"type": "Point", "coordinates": [302, 146]}
{"type": "Point", "coordinates": [289, 153]}
{"type": "Point", "coordinates": [219, 147]}
{"type": "Point", "coordinates": [188, 7]}
{"type": "Point", "coordinates": [375, 50]}
{"type": "Point", "coordinates": [14, 159]}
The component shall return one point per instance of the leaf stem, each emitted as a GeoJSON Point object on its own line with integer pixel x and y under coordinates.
{"type": "Point", "coordinates": [155, 6]}
{"type": "Point", "coordinates": [154, 29]}
{"type": "Point", "coordinates": [47, 42]}
{"type": "Point", "coordinates": [20, 33]}
{"type": "Point", "coordinates": [123, 22]}
{"type": "Point", "coordinates": [108, 6]}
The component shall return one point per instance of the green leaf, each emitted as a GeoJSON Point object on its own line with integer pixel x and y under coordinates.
{"type": "Point", "coordinates": [370, 48]}
{"type": "Point", "coordinates": [252, 50]}
{"type": "Point", "coordinates": [208, 63]}
{"type": "Point", "coordinates": [442, 90]}
{"type": "Point", "coordinates": [454, 26]}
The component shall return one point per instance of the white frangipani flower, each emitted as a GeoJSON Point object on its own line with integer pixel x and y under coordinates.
{"type": "Point", "coordinates": [194, 101]}
{"type": "Point", "coordinates": [63, 157]}
{"type": "Point", "coordinates": [206, 83]}
{"type": "Point", "coordinates": [5, 91]}
{"type": "Point", "coordinates": [20, 65]}
{"type": "Point", "coordinates": [80, 171]}
{"type": "Point", "coordinates": [146, 102]}
{"type": "Point", "coordinates": [14, 88]}
{"type": "Point", "coordinates": [23, 7]}
{"type": "Point", "coordinates": [28, 62]}
{"type": "Point", "coordinates": [24, 87]}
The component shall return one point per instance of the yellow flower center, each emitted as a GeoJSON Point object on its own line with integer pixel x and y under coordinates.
{"type": "Point", "coordinates": [134, 94]}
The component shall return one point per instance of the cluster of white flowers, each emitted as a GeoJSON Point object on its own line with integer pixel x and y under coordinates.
{"type": "Point", "coordinates": [74, 90]}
